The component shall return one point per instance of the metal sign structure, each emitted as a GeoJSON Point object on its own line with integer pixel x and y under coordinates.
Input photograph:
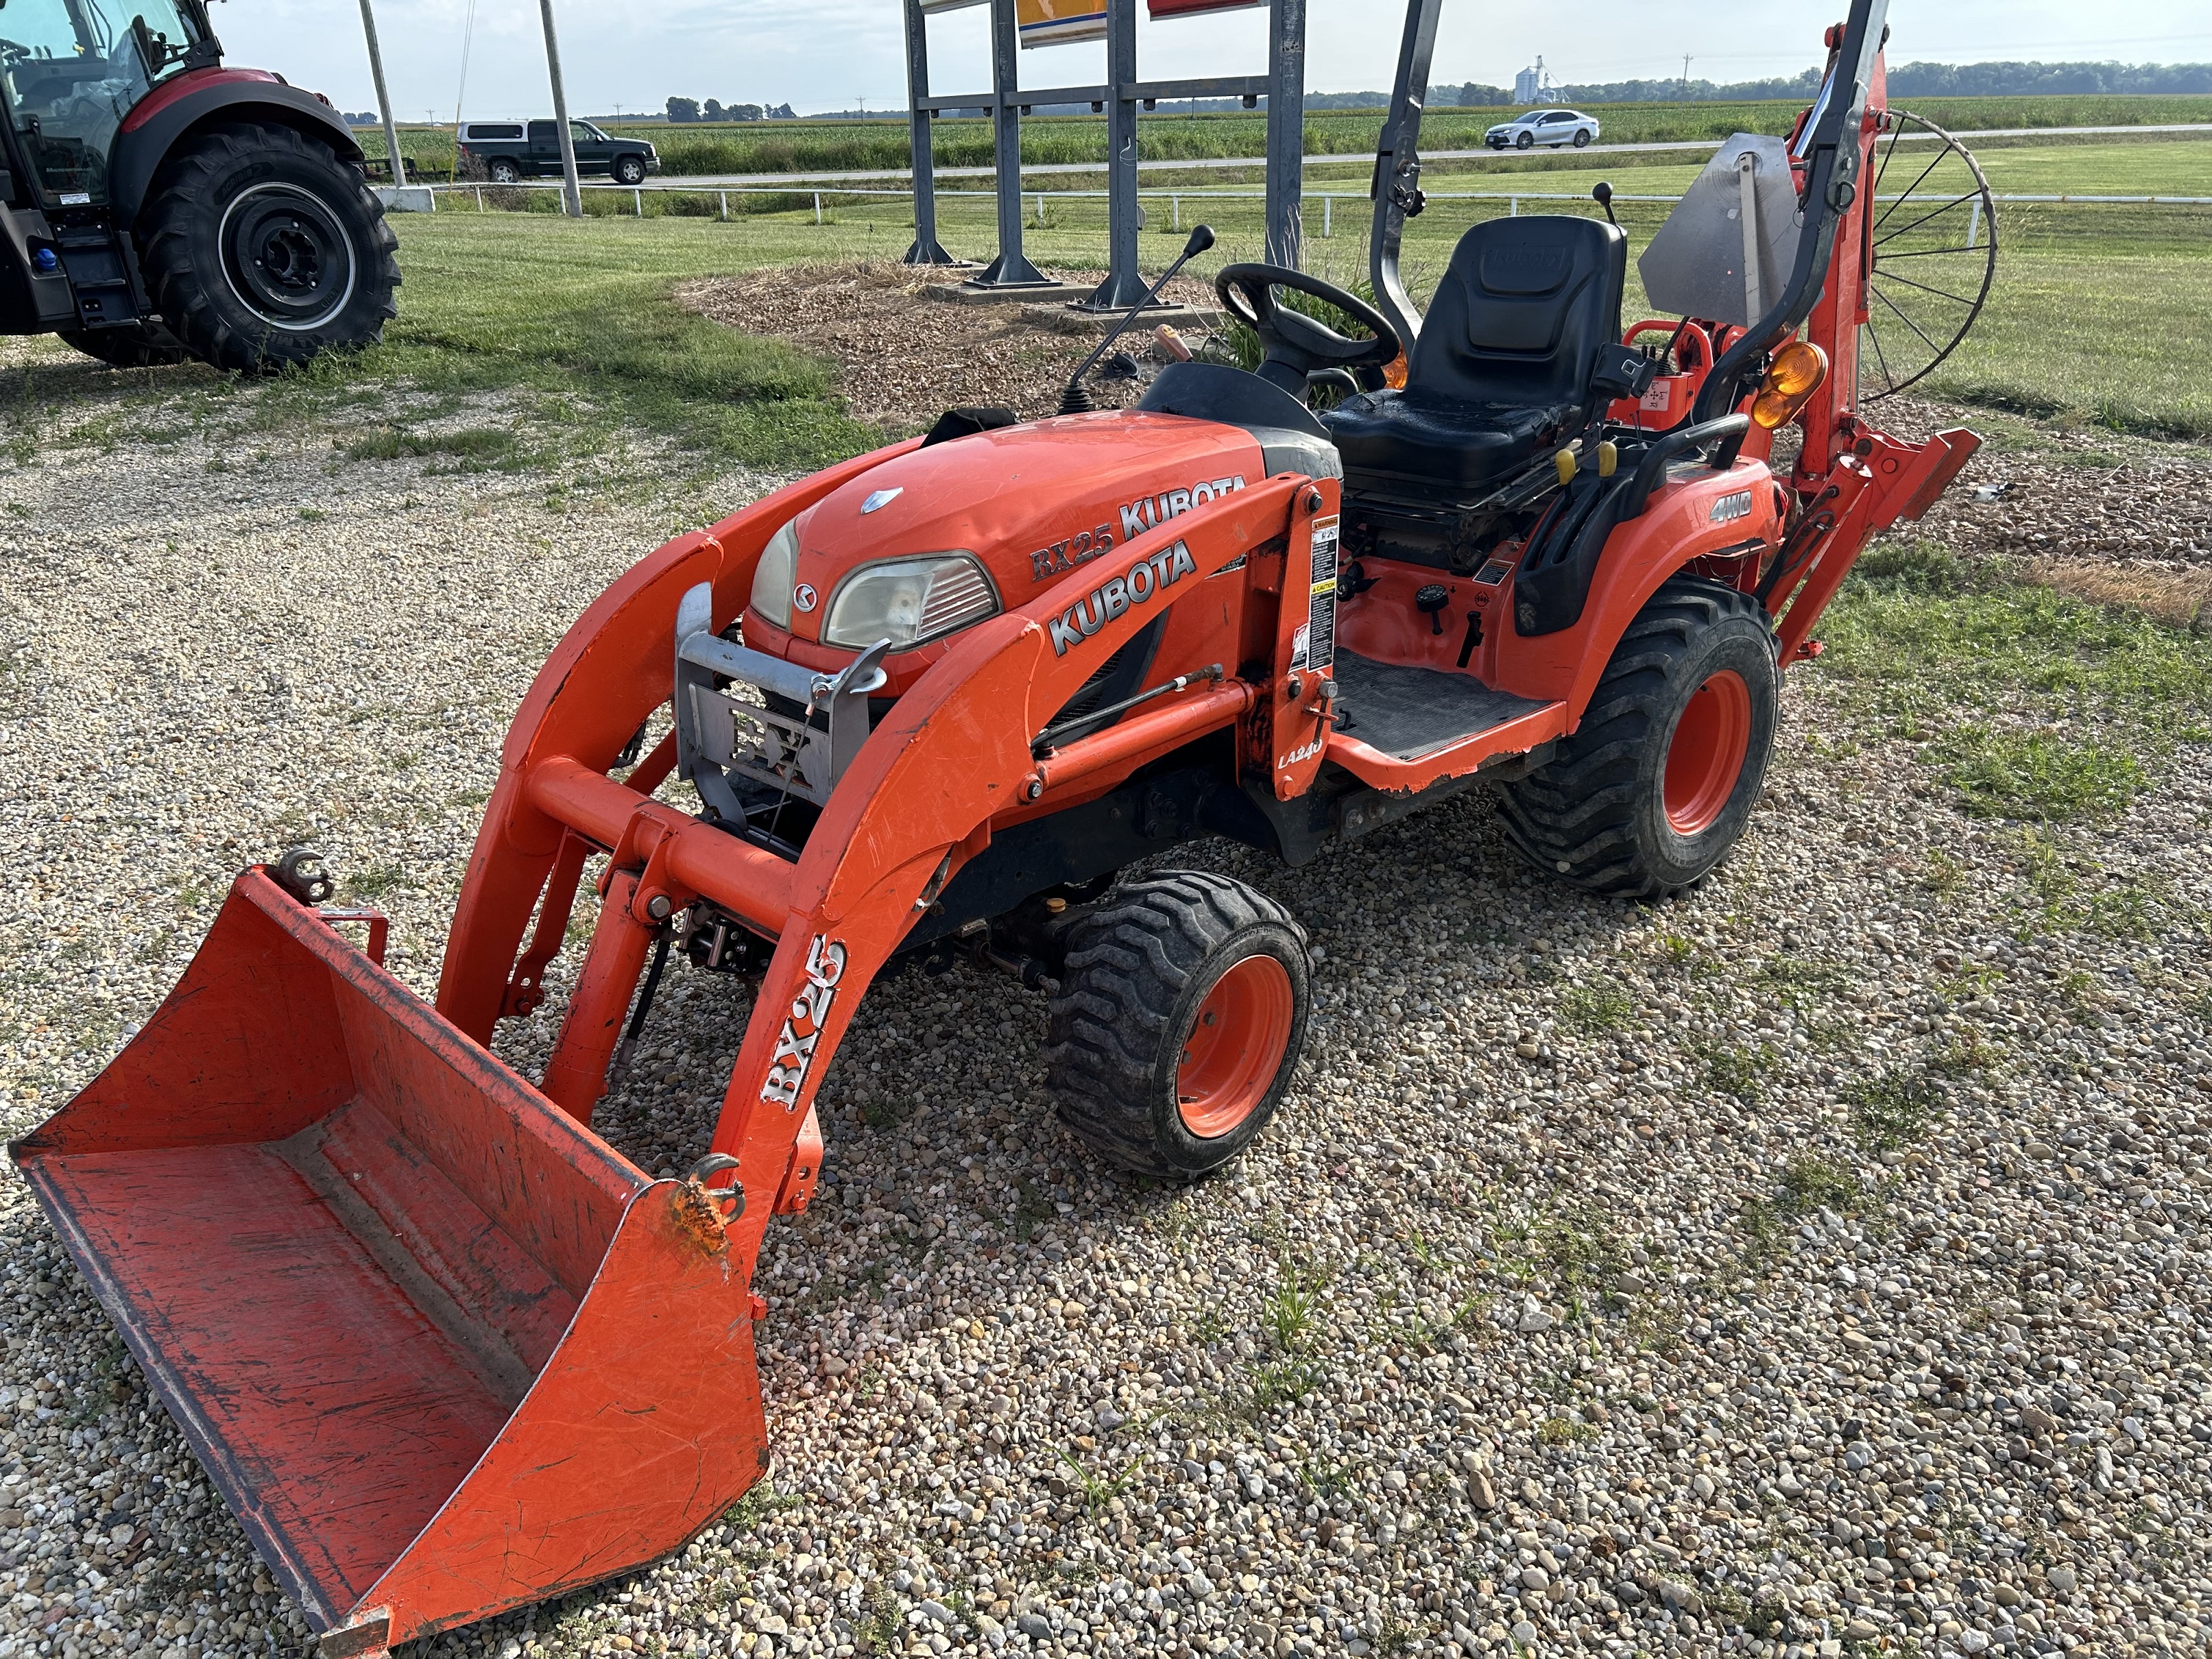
{"type": "Point", "coordinates": [1019, 23]}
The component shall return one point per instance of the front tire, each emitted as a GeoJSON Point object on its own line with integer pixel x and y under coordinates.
{"type": "Point", "coordinates": [148, 345]}
{"type": "Point", "coordinates": [1526, 140]}
{"type": "Point", "coordinates": [628, 170]}
{"type": "Point", "coordinates": [1179, 1022]}
{"type": "Point", "coordinates": [1657, 784]}
{"type": "Point", "coordinates": [263, 250]}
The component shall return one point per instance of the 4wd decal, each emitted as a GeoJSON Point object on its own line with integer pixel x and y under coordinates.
{"type": "Point", "coordinates": [810, 1012]}
{"type": "Point", "coordinates": [1080, 621]}
{"type": "Point", "coordinates": [1730, 508]}
{"type": "Point", "coordinates": [1154, 511]}
{"type": "Point", "coordinates": [1065, 556]}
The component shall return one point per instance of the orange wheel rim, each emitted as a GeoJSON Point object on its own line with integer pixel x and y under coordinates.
{"type": "Point", "coordinates": [1234, 1046]}
{"type": "Point", "coordinates": [1705, 757]}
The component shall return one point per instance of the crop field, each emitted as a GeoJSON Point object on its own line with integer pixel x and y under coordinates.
{"type": "Point", "coordinates": [838, 146]}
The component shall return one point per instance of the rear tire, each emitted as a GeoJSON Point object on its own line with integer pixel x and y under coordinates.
{"type": "Point", "coordinates": [148, 345]}
{"type": "Point", "coordinates": [263, 250]}
{"type": "Point", "coordinates": [505, 173]}
{"type": "Point", "coordinates": [1583, 138]}
{"type": "Point", "coordinates": [1179, 1022]}
{"type": "Point", "coordinates": [1658, 782]}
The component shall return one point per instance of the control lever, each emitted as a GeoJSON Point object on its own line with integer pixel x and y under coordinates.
{"type": "Point", "coordinates": [1601, 192]}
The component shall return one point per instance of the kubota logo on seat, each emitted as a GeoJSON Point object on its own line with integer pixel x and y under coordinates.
{"type": "Point", "coordinates": [1730, 508]}
{"type": "Point", "coordinates": [810, 1012]}
{"type": "Point", "coordinates": [1080, 621]}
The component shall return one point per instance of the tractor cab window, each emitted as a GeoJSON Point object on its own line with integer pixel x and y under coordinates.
{"type": "Point", "coordinates": [71, 72]}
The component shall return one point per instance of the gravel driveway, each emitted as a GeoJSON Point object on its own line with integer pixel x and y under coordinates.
{"type": "Point", "coordinates": [1815, 1265]}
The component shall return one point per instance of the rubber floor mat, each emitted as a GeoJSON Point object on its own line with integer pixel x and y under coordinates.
{"type": "Point", "coordinates": [1406, 713]}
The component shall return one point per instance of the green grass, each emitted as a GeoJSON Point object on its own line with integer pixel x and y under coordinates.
{"type": "Point", "coordinates": [2079, 706]}
{"type": "Point", "coordinates": [566, 308]}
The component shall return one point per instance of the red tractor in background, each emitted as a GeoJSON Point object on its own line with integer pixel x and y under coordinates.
{"type": "Point", "coordinates": [159, 206]}
{"type": "Point", "coordinates": [445, 1351]}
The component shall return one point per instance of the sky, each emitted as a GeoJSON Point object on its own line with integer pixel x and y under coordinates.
{"type": "Point", "coordinates": [629, 56]}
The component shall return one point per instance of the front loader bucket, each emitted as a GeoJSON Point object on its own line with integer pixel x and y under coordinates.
{"type": "Point", "coordinates": [443, 1350]}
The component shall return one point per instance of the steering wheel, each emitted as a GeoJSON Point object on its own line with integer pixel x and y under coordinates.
{"type": "Point", "coordinates": [1295, 346]}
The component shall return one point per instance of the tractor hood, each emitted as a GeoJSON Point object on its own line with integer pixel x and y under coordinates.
{"type": "Point", "coordinates": [1027, 504]}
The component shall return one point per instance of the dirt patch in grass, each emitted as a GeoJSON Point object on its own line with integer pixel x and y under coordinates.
{"type": "Point", "coordinates": [905, 357]}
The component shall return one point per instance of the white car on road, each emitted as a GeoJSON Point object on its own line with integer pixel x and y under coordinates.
{"type": "Point", "coordinates": [1552, 128]}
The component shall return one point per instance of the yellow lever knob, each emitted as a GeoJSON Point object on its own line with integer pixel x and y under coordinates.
{"type": "Point", "coordinates": [1608, 460]}
{"type": "Point", "coordinates": [1565, 460]}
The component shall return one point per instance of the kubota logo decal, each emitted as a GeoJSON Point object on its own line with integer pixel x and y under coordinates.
{"type": "Point", "coordinates": [1154, 511]}
{"type": "Point", "coordinates": [1080, 621]}
{"type": "Point", "coordinates": [1730, 508]}
{"type": "Point", "coordinates": [810, 1012]}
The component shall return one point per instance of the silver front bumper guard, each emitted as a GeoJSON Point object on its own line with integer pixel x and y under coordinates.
{"type": "Point", "coordinates": [801, 753]}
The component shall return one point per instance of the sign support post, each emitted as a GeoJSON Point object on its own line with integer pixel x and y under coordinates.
{"type": "Point", "coordinates": [926, 249]}
{"type": "Point", "coordinates": [1012, 269]}
{"type": "Point", "coordinates": [1286, 131]}
{"type": "Point", "coordinates": [1124, 285]}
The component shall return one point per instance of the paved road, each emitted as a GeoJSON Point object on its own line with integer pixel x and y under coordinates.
{"type": "Point", "coordinates": [900, 175]}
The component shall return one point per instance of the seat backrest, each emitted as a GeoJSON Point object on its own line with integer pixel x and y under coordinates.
{"type": "Point", "coordinates": [1521, 313]}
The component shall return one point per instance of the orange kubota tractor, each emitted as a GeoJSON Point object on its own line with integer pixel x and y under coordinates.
{"type": "Point", "coordinates": [445, 1351]}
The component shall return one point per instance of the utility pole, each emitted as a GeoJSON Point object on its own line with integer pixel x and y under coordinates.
{"type": "Point", "coordinates": [572, 193]}
{"type": "Point", "coordinates": [1687, 61]}
{"type": "Point", "coordinates": [383, 97]}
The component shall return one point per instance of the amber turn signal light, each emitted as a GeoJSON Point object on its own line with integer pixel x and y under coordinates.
{"type": "Point", "coordinates": [1799, 370]}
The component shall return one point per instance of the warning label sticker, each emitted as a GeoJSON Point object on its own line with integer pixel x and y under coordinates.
{"type": "Point", "coordinates": [1321, 621]}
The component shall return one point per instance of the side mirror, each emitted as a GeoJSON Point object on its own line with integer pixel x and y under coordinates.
{"type": "Point", "coordinates": [1201, 240]}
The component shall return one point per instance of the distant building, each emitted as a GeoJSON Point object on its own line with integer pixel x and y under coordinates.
{"type": "Point", "coordinates": [1532, 85]}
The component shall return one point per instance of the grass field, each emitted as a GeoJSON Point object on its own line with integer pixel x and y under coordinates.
{"type": "Point", "coordinates": [2098, 311]}
{"type": "Point", "coordinates": [826, 146]}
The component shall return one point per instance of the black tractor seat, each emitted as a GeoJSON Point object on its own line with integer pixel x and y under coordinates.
{"type": "Point", "coordinates": [1501, 371]}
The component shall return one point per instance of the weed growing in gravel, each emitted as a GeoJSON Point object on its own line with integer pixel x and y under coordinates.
{"type": "Point", "coordinates": [1560, 1429]}
{"type": "Point", "coordinates": [1945, 876]}
{"type": "Point", "coordinates": [2037, 775]}
{"type": "Point", "coordinates": [471, 449]}
{"type": "Point", "coordinates": [1598, 1007]}
{"type": "Point", "coordinates": [1892, 1111]}
{"type": "Point", "coordinates": [1097, 1491]}
{"type": "Point", "coordinates": [1288, 1315]}
{"type": "Point", "coordinates": [1734, 1070]}
{"type": "Point", "coordinates": [1809, 1185]}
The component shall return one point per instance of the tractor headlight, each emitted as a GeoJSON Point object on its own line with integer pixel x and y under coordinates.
{"type": "Point", "coordinates": [1799, 370]}
{"type": "Point", "coordinates": [909, 602]}
{"type": "Point", "coordinates": [772, 576]}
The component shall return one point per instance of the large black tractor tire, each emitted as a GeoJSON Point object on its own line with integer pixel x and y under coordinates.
{"type": "Point", "coordinates": [147, 346]}
{"type": "Point", "coordinates": [1179, 1020]}
{"type": "Point", "coordinates": [263, 250]}
{"type": "Point", "coordinates": [1658, 782]}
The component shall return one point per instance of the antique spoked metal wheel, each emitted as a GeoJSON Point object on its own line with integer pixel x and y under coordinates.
{"type": "Point", "coordinates": [1934, 243]}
